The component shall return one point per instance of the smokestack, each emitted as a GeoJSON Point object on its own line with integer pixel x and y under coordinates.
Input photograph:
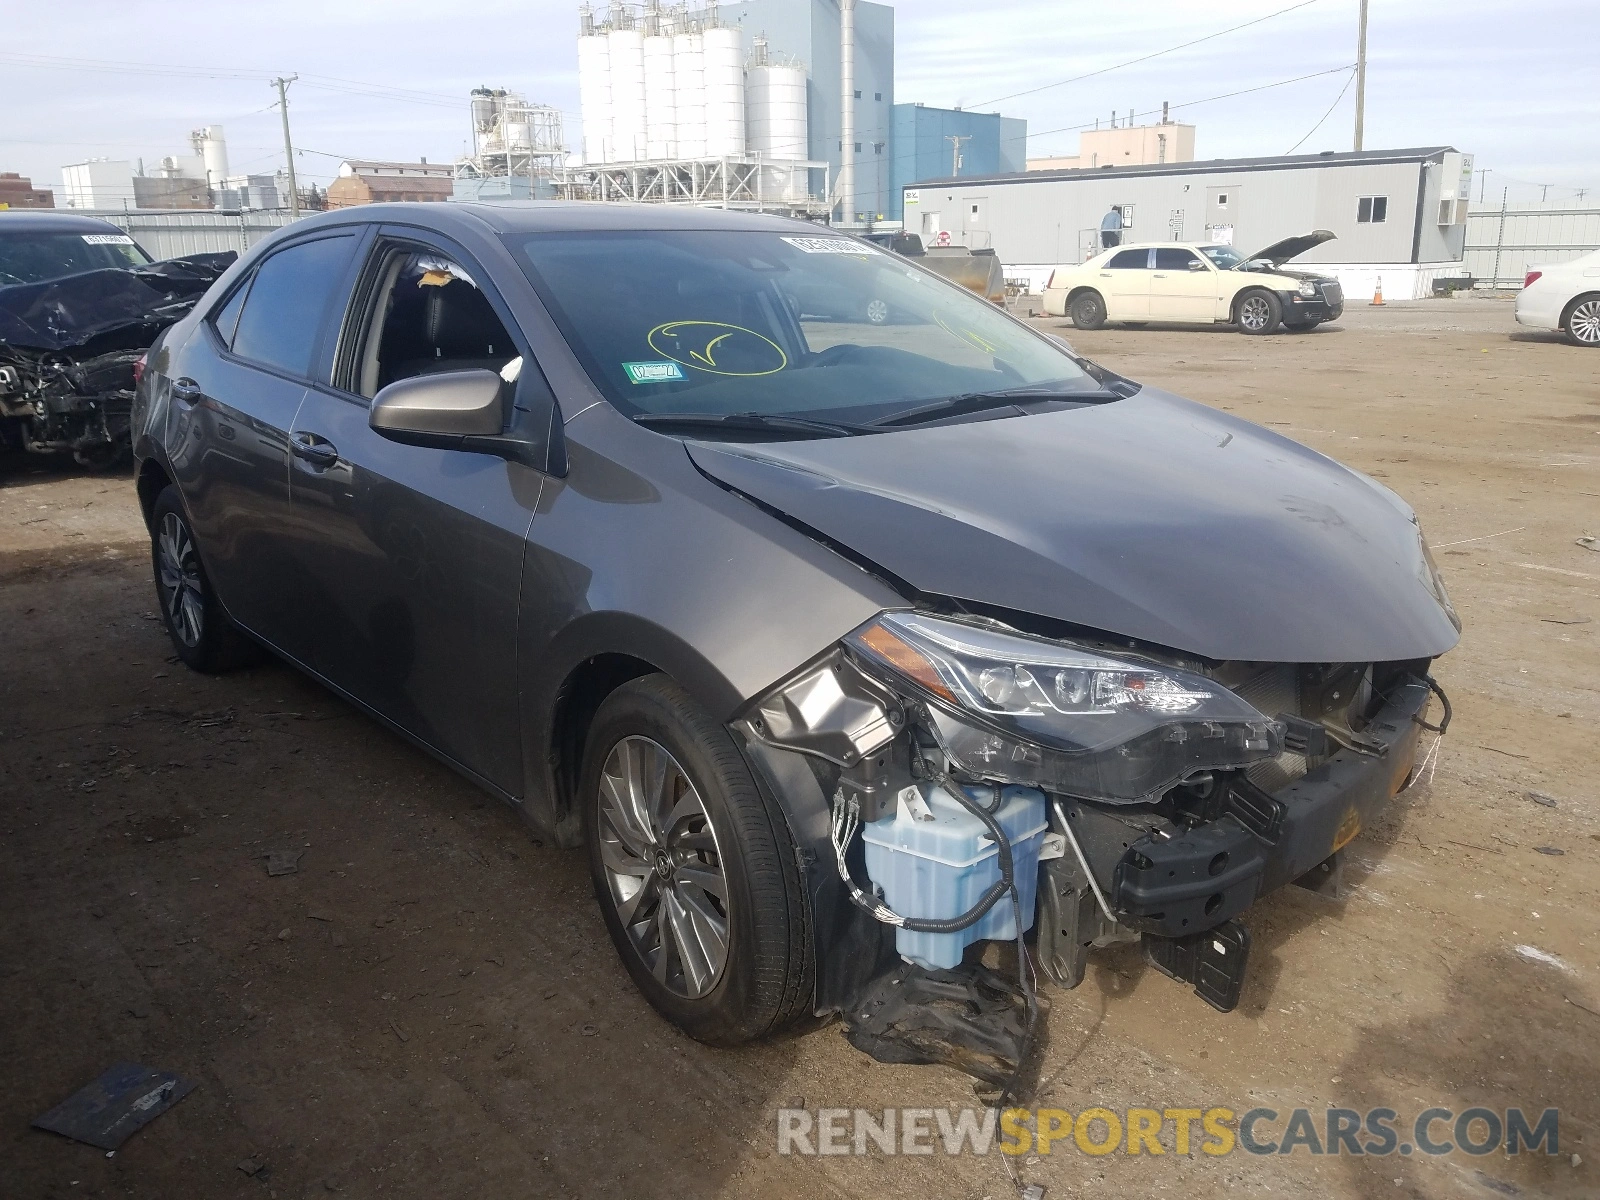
{"type": "Point", "coordinates": [847, 110]}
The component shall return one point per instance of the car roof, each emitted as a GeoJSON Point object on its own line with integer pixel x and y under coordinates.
{"type": "Point", "coordinates": [46, 221]}
{"type": "Point", "coordinates": [566, 216]}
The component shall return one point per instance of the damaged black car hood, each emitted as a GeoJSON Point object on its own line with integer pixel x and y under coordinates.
{"type": "Point", "coordinates": [113, 308]}
{"type": "Point", "coordinates": [1153, 518]}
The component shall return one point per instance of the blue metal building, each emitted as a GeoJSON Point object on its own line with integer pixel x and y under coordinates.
{"type": "Point", "coordinates": [922, 148]}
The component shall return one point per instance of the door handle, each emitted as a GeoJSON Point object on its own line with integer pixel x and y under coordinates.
{"type": "Point", "coordinates": [186, 389]}
{"type": "Point", "coordinates": [1158, 275]}
{"type": "Point", "coordinates": [314, 449]}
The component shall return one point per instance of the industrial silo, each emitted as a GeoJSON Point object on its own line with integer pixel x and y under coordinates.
{"type": "Point", "coordinates": [724, 93]}
{"type": "Point", "coordinates": [627, 94]}
{"type": "Point", "coordinates": [689, 93]}
{"type": "Point", "coordinates": [594, 95]}
{"type": "Point", "coordinates": [660, 100]}
{"type": "Point", "coordinates": [776, 130]}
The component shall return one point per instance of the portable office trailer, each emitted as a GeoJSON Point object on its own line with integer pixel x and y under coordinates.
{"type": "Point", "coordinates": [1398, 214]}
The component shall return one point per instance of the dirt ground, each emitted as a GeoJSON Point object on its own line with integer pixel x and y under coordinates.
{"type": "Point", "coordinates": [430, 1006]}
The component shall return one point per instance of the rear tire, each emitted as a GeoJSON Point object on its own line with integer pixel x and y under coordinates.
{"type": "Point", "coordinates": [201, 632]}
{"type": "Point", "coordinates": [1087, 310]}
{"type": "Point", "coordinates": [672, 816]}
{"type": "Point", "coordinates": [1260, 312]}
{"type": "Point", "coordinates": [1582, 322]}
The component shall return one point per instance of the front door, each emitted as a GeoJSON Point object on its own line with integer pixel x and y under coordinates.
{"type": "Point", "coordinates": [236, 387]}
{"type": "Point", "coordinates": [416, 553]}
{"type": "Point", "coordinates": [1183, 286]}
{"type": "Point", "coordinates": [1125, 283]}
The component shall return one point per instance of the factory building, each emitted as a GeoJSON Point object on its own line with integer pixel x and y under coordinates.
{"type": "Point", "coordinates": [518, 149]}
{"type": "Point", "coordinates": [364, 182]}
{"type": "Point", "coordinates": [930, 143]}
{"type": "Point", "coordinates": [1126, 145]}
{"type": "Point", "coordinates": [742, 104]}
{"type": "Point", "coordinates": [17, 191]}
{"type": "Point", "coordinates": [1397, 214]}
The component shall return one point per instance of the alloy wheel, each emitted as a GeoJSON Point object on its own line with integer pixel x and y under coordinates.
{"type": "Point", "coordinates": [179, 580]}
{"type": "Point", "coordinates": [1255, 312]}
{"type": "Point", "coordinates": [662, 866]}
{"type": "Point", "coordinates": [1584, 323]}
{"type": "Point", "coordinates": [877, 311]}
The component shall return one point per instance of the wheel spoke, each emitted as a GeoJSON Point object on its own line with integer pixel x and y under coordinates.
{"type": "Point", "coordinates": [616, 806]}
{"type": "Point", "coordinates": [621, 860]}
{"type": "Point", "coordinates": [647, 895]}
{"type": "Point", "coordinates": [707, 879]}
{"type": "Point", "coordinates": [697, 968]}
{"type": "Point", "coordinates": [710, 933]}
{"type": "Point", "coordinates": [686, 809]}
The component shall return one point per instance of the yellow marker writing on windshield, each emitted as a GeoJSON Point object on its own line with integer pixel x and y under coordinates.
{"type": "Point", "coordinates": [755, 352]}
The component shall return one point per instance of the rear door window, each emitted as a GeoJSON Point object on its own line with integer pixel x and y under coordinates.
{"type": "Point", "coordinates": [1129, 260]}
{"type": "Point", "coordinates": [284, 313]}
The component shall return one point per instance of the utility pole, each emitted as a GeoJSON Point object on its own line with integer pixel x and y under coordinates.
{"type": "Point", "coordinates": [955, 151]}
{"type": "Point", "coordinates": [288, 146]}
{"type": "Point", "coordinates": [1361, 76]}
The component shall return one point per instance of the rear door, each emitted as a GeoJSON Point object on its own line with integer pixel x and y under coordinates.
{"type": "Point", "coordinates": [1183, 286]}
{"type": "Point", "coordinates": [415, 553]}
{"type": "Point", "coordinates": [236, 386]}
{"type": "Point", "coordinates": [1125, 282]}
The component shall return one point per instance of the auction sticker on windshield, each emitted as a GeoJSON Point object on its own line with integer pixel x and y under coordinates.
{"type": "Point", "coordinates": [827, 245]}
{"type": "Point", "coordinates": [108, 239]}
{"type": "Point", "coordinates": [653, 372]}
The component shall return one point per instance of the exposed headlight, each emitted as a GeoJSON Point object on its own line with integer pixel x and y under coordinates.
{"type": "Point", "coordinates": [1062, 717]}
{"type": "Point", "coordinates": [1308, 289]}
{"type": "Point", "coordinates": [1434, 582]}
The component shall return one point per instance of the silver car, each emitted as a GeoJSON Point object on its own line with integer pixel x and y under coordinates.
{"type": "Point", "coordinates": [845, 649]}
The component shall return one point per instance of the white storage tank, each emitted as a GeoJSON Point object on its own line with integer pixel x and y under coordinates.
{"type": "Point", "coordinates": [776, 127]}
{"type": "Point", "coordinates": [627, 95]}
{"type": "Point", "coordinates": [689, 93]}
{"type": "Point", "coordinates": [594, 96]}
{"type": "Point", "coordinates": [660, 98]}
{"type": "Point", "coordinates": [724, 93]}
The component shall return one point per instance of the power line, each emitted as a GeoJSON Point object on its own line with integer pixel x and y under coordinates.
{"type": "Point", "coordinates": [1146, 57]}
{"type": "Point", "coordinates": [1325, 115]}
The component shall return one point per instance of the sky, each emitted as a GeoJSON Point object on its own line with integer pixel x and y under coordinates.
{"type": "Point", "coordinates": [1511, 82]}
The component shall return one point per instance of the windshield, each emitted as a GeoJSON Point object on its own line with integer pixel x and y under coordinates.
{"type": "Point", "coordinates": [737, 322]}
{"type": "Point", "coordinates": [1224, 258]}
{"type": "Point", "coordinates": [37, 257]}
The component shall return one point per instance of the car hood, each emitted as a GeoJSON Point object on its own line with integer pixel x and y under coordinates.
{"type": "Point", "coordinates": [1153, 518]}
{"type": "Point", "coordinates": [1292, 247]}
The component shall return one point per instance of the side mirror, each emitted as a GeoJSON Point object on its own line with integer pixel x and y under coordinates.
{"type": "Point", "coordinates": [1196, 265]}
{"type": "Point", "coordinates": [453, 410]}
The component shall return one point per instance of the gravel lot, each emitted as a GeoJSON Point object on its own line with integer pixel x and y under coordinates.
{"type": "Point", "coordinates": [430, 1006]}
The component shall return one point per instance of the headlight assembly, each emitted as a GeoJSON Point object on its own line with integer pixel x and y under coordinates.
{"type": "Point", "coordinates": [1061, 717]}
{"type": "Point", "coordinates": [1308, 289]}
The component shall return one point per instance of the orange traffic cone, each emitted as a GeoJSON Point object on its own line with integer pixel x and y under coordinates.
{"type": "Point", "coordinates": [1377, 294]}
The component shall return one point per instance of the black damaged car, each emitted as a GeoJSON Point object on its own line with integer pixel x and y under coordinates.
{"type": "Point", "coordinates": [80, 301]}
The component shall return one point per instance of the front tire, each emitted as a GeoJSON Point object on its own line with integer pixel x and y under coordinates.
{"type": "Point", "coordinates": [694, 870]}
{"type": "Point", "coordinates": [1260, 312]}
{"type": "Point", "coordinates": [1087, 310]}
{"type": "Point", "coordinates": [1582, 323]}
{"type": "Point", "coordinates": [201, 632]}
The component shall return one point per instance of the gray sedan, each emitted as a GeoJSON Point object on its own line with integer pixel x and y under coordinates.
{"type": "Point", "coordinates": [845, 649]}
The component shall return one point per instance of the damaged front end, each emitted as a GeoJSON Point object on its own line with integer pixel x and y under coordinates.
{"type": "Point", "coordinates": [986, 786]}
{"type": "Point", "coordinates": [70, 350]}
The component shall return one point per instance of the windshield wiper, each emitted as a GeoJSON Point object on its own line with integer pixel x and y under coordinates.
{"type": "Point", "coordinates": [747, 422]}
{"type": "Point", "coordinates": [971, 402]}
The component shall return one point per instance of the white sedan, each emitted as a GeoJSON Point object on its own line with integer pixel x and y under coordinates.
{"type": "Point", "coordinates": [1565, 297]}
{"type": "Point", "coordinates": [1197, 282]}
